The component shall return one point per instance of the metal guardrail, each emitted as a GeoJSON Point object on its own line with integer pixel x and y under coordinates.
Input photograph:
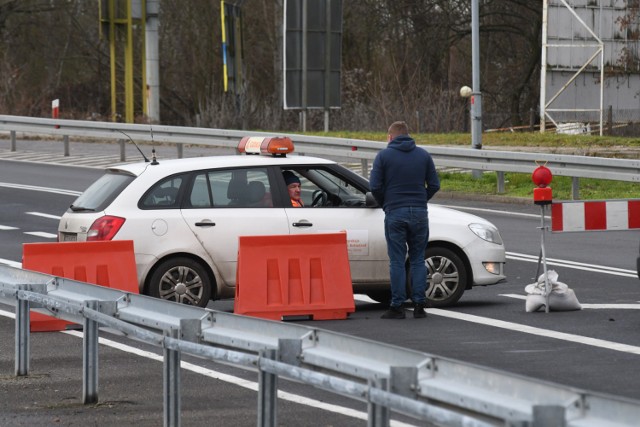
{"type": "Point", "coordinates": [388, 378]}
{"type": "Point", "coordinates": [338, 149]}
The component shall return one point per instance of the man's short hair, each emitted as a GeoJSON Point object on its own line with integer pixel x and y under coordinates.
{"type": "Point", "coordinates": [398, 128]}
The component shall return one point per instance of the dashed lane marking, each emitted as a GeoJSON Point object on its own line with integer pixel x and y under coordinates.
{"type": "Point", "coordinates": [44, 215]}
{"type": "Point", "coordinates": [41, 234]}
{"type": "Point", "coordinates": [37, 188]}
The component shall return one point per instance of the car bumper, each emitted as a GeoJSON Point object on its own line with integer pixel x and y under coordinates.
{"type": "Point", "coordinates": [487, 262]}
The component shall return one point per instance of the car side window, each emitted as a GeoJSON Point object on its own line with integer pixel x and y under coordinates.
{"type": "Point", "coordinates": [323, 188]}
{"type": "Point", "coordinates": [237, 188]}
{"type": "Point", "coordinates": [163, 195]}
{"type": "Point", "coordinates": [201, 195]}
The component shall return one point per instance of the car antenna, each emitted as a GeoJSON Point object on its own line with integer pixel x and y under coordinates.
{"type": "Point", "coordinates": [134, 143]}
{"type": "Point", "coordinates": [154, 161]}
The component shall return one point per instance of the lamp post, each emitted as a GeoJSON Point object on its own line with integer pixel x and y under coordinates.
{"type": "Point", "coordinates": [476, 96]}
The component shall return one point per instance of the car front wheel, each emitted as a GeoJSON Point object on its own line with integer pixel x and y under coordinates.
{"type": "Point", "coordinates": [447, 276]}
{"type": "Point", "coordinates": [181, 280]}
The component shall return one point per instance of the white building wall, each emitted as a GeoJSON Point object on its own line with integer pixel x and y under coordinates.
{"type": "Point", "coordinates": [622, 91]}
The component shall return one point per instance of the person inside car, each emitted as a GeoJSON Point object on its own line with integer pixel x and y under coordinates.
{"type": "Point", "coordinates": [293, 187]}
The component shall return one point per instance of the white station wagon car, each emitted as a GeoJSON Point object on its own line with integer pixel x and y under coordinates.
{"type": "Point", "coordinates": [185, 215]}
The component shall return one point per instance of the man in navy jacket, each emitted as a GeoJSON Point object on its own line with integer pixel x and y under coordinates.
{"type": "Point", "coordinates": [402, 180]}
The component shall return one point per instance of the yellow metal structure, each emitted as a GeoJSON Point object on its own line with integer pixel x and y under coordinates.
{"type": "Point", "coordinates": [225, 75]}
{"type": "Point", "coordinates": [118, 21]}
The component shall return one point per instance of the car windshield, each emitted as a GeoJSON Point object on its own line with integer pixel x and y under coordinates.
{"type": "Point", "coordinates": [102, 192]}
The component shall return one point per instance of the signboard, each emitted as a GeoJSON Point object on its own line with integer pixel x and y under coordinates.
{"type": "Point", "coordinates": [312, 53]}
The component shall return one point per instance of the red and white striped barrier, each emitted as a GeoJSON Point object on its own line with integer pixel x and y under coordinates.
{"type": "Point", "coordinates": [604, 215]}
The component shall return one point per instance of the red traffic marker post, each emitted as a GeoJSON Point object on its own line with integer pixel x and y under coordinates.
{"type": "Point", "coordinates": [55, 110]}
{"type": "Point", "coordinates": [543, 196]}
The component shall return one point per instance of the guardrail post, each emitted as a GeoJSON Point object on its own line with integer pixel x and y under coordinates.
{"type": "Point", "coordinates": [548, 415]}
{"type": "Point", "coordinates": [22, 326]}
{"type": "Point", "coordinates": [90, 358]}
{"type": "Point", "coordinates": [171, 383]}
{"type": "Point", "coordinates": [378, 415]}
{"type": "Point", "coordinates": [123, 156]}
{"type": "Point", "coordinates": [404, 380]}
{"type": "Point", "coordinates": [65, 140]}
{"type": "Point", "coordinates": [190, 330]}
{"type": "Point", "coordinates": [13, 140]}
{"type": "Point", "coordinates": [575, 188]}
{"type": "Point", "coordinates": [267, 393]}
{"type": "Point", "coordinates": [180, 150]}
{"type": "Point", "coordinates": [364, 165]}
{"type": "Point", "coordinates": [500, 182]}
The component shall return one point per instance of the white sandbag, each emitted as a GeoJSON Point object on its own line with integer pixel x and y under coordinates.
{"type": "Point", "coordinates": [561, 297]}
{"type": "Point", "coordinates": [535, 303]}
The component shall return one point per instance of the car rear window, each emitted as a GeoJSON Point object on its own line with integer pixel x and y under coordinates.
{"type": "Point", "coordinates": [102, 192]}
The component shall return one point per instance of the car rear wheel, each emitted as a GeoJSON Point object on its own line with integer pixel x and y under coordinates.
{"type": "Point", "coordinates": [181, 280]}
{"type": "Point", "coordinates": [447, 276]}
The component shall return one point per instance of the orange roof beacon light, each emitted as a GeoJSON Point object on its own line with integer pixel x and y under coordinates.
{"type": "Point", "coordinates": [271, 145]}
{"type": "Point", "coordinates": [542, 177]}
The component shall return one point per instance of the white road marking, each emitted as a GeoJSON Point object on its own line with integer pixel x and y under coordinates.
{"type": "Point", "coordinates": [41, 234]}
{"type": "Point", "coordinates": [493, 211]}
{"type": "Point", "coordinates": [10, 263]}
{"type": "Point", "coordinates": [575, 265]}
{"type": "Point", "coordinates": [6, 227]}
{"type": "Point", "coordinates": [36, 188]}
{"type": "Point", "coordinates": [43, 215]}
{"type": "Point", "coordinates": [591, 306]}
{"type": "Point", "coordinates": [546, 333]}
{"type": "Point", "coordinates": [516, 327]}
{"type": "Point", "coordinates": [251, 385]}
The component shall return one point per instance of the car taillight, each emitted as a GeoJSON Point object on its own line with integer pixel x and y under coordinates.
{"type": "Point", "coordinates": [104, 228]}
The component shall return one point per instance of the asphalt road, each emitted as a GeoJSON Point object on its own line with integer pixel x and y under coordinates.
{"type": "Point", "coordinates": [597, 348]}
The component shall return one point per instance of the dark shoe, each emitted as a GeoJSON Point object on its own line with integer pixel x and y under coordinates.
{"type": "Point", "coordinates": [394, 313]}
{"type": "Point", "coordinates": [418, 311]}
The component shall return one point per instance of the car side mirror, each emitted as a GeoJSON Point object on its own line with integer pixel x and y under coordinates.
{"type": "Point", "coordinates": [369, 200]}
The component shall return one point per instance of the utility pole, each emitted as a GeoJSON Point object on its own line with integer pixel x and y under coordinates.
{"type": "Point", "coordinates": [152, 60]}
{"type": "Point", "coordinates": [476, 97]}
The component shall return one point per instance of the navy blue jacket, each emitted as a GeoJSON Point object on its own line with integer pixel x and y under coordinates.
{"type": "Point", "coordinates": [403, 175]}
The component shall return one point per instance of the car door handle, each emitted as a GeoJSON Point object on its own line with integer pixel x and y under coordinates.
{"type": "Point", "coordinates": [302, 224]}
{"type": "Point", "coordinates": [205, 223]}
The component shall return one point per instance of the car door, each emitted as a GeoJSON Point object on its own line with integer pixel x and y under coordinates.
{"type": "Point", "coordinates": [222, 205]}
{"type": "Point", "coordinates": [335, 203]}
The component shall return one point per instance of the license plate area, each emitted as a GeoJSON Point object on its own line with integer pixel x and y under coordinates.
{"type": "Point", "coordinates": [69, 237]}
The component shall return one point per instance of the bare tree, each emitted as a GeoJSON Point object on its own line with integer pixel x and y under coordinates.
{"type": "Point", "coordinates": [401, 59]}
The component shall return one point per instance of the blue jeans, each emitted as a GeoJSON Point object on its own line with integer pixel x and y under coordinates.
{"type": "Point", "coordinates": [407, 229]}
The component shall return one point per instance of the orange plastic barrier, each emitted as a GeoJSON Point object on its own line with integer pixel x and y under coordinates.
{"type": "Point", "coordinates": [293, 276]}
{"type": "Point", "coordinates": [110, 263]}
